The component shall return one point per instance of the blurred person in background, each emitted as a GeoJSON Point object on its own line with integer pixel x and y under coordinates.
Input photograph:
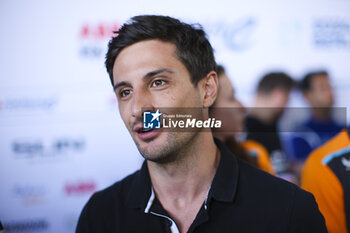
{"type": "Point", "coordinates": [232, 111]}
{"type": "Point", "coordinates": [320, 125]}
{"type": "Point", "coordinates": [326, 174]}
{"type": "Point", "coordinates": [271, 98]}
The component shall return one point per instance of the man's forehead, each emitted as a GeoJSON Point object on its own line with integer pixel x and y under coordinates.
{"type": "Point", "coordinates": [143, 51]}
{"type": "Point", "coordinates": [143, 57]}
{"type": "Point", "coordinates": [320, 79]}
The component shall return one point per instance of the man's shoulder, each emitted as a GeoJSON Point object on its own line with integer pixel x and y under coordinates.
{"type": "Point", "coordinates": [105, 208]}
{"type": "Point", "coordinates": [115, 193]}
{"type": "Point", "coordinates": [280, 199]}
{"type": "Point", "coordinates": [256, 181]}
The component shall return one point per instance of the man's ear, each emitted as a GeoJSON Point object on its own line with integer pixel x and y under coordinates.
{"type": "Point", "coordinates": [210, 85]}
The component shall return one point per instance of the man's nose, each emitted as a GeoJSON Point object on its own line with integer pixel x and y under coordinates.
{"type": "Point", "coordinates": [141, 101]}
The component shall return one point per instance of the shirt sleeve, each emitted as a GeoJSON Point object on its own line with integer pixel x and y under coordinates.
{"type": "Point", "coordinates": [305, 215]}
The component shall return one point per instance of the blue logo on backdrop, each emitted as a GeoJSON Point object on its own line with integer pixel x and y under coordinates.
{"type": "Point", "coordinates": [237, 35]}
{"type": "Point", "coordinates": [331, 33]}
{"type": "Point", "coordinates": [151, 120]}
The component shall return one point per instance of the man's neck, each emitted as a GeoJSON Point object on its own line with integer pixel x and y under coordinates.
{"type": "Point", "coordinates": [182, 186]}
{"type": "Point", "coordinates": [189, 176]}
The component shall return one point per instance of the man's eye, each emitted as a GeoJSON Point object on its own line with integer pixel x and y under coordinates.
{"type": "Point", "coordinates": [158, 82]}
{"type": "Point", "coordinates": [125, 93]}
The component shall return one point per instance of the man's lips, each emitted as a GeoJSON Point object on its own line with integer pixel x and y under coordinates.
{"type": "Point", "coordinates": [146, 134]}
{"type": "Point", "coordinates": [137, 128]}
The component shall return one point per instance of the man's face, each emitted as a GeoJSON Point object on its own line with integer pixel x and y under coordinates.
{"type": "Point", "coordinates": [149, 75]}
{"type": "Point", "coordinates": [321, 93]}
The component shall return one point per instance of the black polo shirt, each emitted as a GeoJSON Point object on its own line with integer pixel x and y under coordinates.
{"type": "Point", "coordinates": [241, 199]}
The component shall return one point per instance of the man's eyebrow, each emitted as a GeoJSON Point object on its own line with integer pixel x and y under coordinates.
{"type": "Point", "coordinates": [155, 72]}
{"type": "Point", "coordinates": [146, 76]}
{"type": "Point", "coordinates": [123, 83]}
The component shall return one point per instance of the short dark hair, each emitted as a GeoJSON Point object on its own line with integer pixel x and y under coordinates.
{"type": "Point", "coordinates": [274, 80]}
{"type": "Point", "coordinates": [192, 46]}
{"type": "Point", "coordinates": [305, 83]}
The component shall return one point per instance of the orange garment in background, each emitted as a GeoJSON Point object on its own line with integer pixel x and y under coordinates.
{"type": "Point", "coordinates": [326, 174]}
{"type": "Point", "coordinates": [258, 151]}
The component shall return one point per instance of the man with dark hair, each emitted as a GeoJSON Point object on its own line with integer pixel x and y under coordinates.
{"type": "Point", "coordinates": [271, 99]}
{"type": "Point", "coordinates": [192, 47]}
{"type": "Point", "coordinates": [228, 106]}
{"type": "Point", "coordinates": [306, 82]}
{"type": "Point", "coordinates": [320, 126]}
{"type": "Point", "coordinates": [275, 82]}
{"type": "Point", "coordinates": [189, 182]}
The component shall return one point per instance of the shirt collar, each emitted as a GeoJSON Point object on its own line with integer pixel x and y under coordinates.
{"type": "Point", "coordinates": [223, 187]}
{"type": "Point", "coordinates": [141, 188]}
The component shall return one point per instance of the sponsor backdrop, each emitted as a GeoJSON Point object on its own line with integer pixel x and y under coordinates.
{"type": "Point", "coordinates": [62, 137]}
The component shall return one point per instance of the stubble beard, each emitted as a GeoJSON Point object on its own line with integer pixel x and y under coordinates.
{"type": "Point", "coordinates": [173, 149]}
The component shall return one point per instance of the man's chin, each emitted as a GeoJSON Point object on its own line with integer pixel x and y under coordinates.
{"type": "Point", "coordinates": [145, 146]}
{"type": "Point", "coordinates": [152, 153]}
{"type": "Point", "coordinates": [156, 150]}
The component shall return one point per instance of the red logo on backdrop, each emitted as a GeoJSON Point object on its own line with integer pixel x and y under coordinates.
{"type": "Point", "coordinates": [94, 37]}
{"type": "Point", "coordinates": [80, 188]}
{"type": "Point", "coordinates": [98, 31]}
